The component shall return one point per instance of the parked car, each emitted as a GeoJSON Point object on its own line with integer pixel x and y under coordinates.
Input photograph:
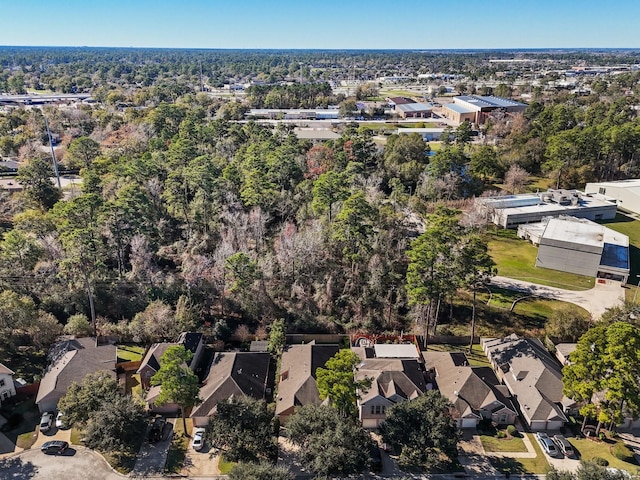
{"type": "Point", "coordinates": [376, 459]}
{"type": "Point", "coordinates": [54, 447]}
{"type": "Point", "coordinates": [46, 421]}
{"type": "Point", "coordinates": [155, 434]}
{"type": "Point", "coordinates": [565, 447]}
{"type": "Point", "coordinates": [547, 444]}
{"type": "Point", "coordinates": [60, 420]}
{"type": "Point", "coordinates": [198, 439]}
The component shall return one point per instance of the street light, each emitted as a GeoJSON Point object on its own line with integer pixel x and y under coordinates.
{"type": "Point", "coordinates": [636, 292]}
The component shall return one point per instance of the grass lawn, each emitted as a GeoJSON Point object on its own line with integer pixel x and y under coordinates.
{"type": "Point", "coordinates": [520, 466]}
{"type": "Point", "coordinates": [224, 466]}
{"type": "Point", "coordinates": [400, 93]}
{"type": "Point", "coordinates": [76, 436]}
{"type": "Point", "coordinates": [516, 258]}
{"type": "Point", "coordinates": [495, 444]}
{"type": "Point", "coordinates": [533, 307]}
{"type": "Point", "coordinates": [476, 358]}
{"type": "Point", "coordinates": [588, 449]}
{"type": "Point", "coordinates": [26, 440]}
{"type": "Point", "coordinates": [178, 447]}
{"type": "Point", "coordinates": [130, 353]}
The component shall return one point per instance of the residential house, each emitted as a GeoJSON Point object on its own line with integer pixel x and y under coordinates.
{"type": "Point", "coordinates": [563, 350]}
{"type": "Point", "coordinates": [71, 361]}
{"type": "Point", "coordinates": [232, 374]}
{"type": "Point", "coordinates": [297, 382]}
{"type": "Point", "coordinates": [534, 378]}
{"type": "Point", "coordinates": [475, 392]}
{"type": "Point", "coordinates": [393, 380]}
{"type": "Point", "coordinates": [151, 362]}
{"type": "Point", "coordinates": [7, 387]}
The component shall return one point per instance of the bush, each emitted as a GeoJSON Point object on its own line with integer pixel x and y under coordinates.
{"type": "Point", "coordinates": [622, 452]}
{"type": "Point", "coordinates": [512, 430]}
{"type": "Point", "coordinates": [603, 462]}
{"type": "Point", "coordinates": [501, 434]}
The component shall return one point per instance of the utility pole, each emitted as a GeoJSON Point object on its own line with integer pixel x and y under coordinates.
{"type": "Point", "coordinates": [53, 153]}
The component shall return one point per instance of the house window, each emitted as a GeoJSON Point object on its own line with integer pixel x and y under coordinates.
{"type": "Point", "coordinates": [5, 395]}
{"type": "Point", "coordinates": [378, 409]}
{"type": "Point", "coordinates": [2, 383]}
{"type": "Point", "coordinates": [503, 418]}
{"type": "Point", "coordinates": [602, 191]}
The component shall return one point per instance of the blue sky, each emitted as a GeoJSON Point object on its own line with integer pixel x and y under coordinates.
{"type": "Point", "coordinates": [325, 24]}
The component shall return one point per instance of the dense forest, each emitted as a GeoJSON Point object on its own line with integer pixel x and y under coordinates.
{"type": "Point", "coordinates": [185, 219]}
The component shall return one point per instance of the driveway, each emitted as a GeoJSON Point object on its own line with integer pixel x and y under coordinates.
{"type": "Point", "coordinates": [595, 300]}
{"type": "Point", "coordinates": [202, 463]}
{"type": "Point", "coordinates": [77, 463]}
{"type": "Point", "coordinates": [153, 456]}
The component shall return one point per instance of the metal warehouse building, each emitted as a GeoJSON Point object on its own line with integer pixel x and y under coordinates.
{"type": "Point", "coordinates": [625, 192]}
{"type": "Point", "coordinates": [509, 211]}
{"type": "Point", "coordinates": [580, 246]}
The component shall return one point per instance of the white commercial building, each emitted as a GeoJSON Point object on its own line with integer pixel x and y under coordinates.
{"type": "Point", "coordinates": [626, 193]}
{"type": "Point", "coordinates": [580, 246]}
{"type": "Point", "coordinates": [509, 211]}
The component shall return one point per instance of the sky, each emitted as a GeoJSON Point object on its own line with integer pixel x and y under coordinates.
{"type": "Point", "coordinates": [322, 24]}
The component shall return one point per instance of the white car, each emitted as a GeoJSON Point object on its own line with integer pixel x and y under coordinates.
{"type": "Point", "coordinates": [46, 421]}
{"type": "Point", "coordinates": [198, 439]}
{"type": "Point", "coordinates": [60, 420]}
{"type": "Point", "coordinates": [547, 444]}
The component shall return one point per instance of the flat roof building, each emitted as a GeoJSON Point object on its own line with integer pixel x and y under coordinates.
{"type": "Point", "coordinates": [626, 193]}
{"type": "Point", "coordinates": [509, 211]}
{"type": "Point", "coordinates": [479, 107]}
{"type": "Point", "coordinates": [428, 134]}
{"type": "Point", "coordinates": [414, 110]}
{"type": "Point", "coordinates": [583, 247]}
{"type": "Point", "coordinates": [294, 114]}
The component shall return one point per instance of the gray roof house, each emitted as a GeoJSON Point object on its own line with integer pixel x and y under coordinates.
{"type": "Point", "coordinates": [231, 374]}
{"type": "Point", "coordinates": [151, 362]}
{"type": "Point", "coordinates": [393, 380]}
{"type": "Point", "coordinates": [297, 382]}
{"type": "Point", "coordinates": [475, 392]}
{"type": "Point", "coordinates": [7, 386]}
{"type": "Point", "coordinates": [534, 378]}
{"type": "Point", "coordinates": [71, 361]}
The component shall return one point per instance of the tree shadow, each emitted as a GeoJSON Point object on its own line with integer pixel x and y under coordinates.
{"type": "Point", "coordinates": [15, 468]}
{"type": "Point", "coordinates": [508, 465]}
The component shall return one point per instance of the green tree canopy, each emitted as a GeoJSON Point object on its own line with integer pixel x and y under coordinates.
{"type": "Point", "coordinates": [84, 398]}
{"type": "Point", "coordinates": [243, 430]}
{"type": "Point", "coordinates": [178, 383]}
{"type": "Point", "coordinates": [337, 383]}
{"type": "Point", "coordinates": [329, 443]}
{"type": "Point", "coordinates": [427, 443]}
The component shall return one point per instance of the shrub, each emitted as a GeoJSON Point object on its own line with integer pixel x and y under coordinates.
{"type": "Point", "coordinates": [512, 430]}
{"type": "Point", "coordinates": [603, 462]}
{"type": "Point", "coordinates": [622, 452]}
{"type": "Point", "coordinates": [501, 434]}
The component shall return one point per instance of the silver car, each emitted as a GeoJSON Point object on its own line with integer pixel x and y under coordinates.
{"type": "Point", "coordinates": [547, 444]}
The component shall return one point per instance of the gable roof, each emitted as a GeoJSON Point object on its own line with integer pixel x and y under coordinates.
{"type": "Point", "coordinates": [81, 357]}
{"type": "Point", "coordinates": [391, 378]}
{"type": "Point", "coordinates": [233, 373]}
{"type": "Point", "coordinates": [6, 370]}
{"type": "Point", "coordinates": [189, 340]}
{"type": "Point", "coordinates": [532, 375]}
{"type": "Point", "coordinates": [298, 367]}
{"type": "Point", "coordinates": [470, 389]}
{"type": "Point", "coordinates": [153, 356]}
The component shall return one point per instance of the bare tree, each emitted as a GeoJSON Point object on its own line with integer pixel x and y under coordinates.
{"type": "Point", "coordinates": [516, 178]}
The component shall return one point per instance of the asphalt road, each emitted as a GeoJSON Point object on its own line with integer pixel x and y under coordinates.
{"type": "Point", "coordinates": [77, 463]}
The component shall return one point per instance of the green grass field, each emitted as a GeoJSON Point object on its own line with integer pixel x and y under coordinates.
{"type": "Point", "coordinates": [130, 353]}
{"type": "Point", "coordinates": [521, 466]}
{"type": "Point", "coordinates": [224, 466]}
{"type": "Point", "coordinates": [588, 449]}
{"type": "Point", "coordinates": [495, 444]}
{"type": "Point", "coordinates": [477, 357]}
{"type": "Point", "coordinates": [516, 258]}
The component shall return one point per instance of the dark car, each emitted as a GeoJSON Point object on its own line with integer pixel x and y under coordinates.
{"type": "Point", "coordinates": [54, 447]}
{"type": "Point", "coordinates": [376, 459]}
{"type": "Point", "coordinates": [564, 445]}
{"type": "Point", "coordinates": [155, 434]}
